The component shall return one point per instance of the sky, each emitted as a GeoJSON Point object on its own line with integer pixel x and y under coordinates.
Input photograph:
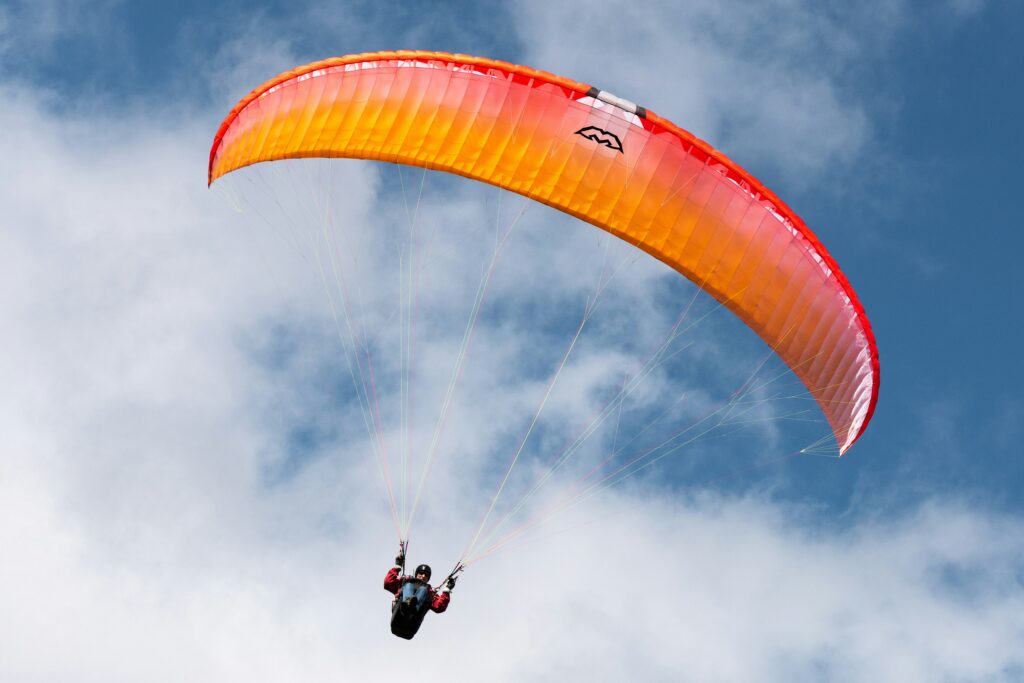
{"type": "Point", "coordinates": [187, 489]}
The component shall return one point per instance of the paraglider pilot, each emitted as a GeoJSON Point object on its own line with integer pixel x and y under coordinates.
{"type": "Point", "coordinates": [414, 597]}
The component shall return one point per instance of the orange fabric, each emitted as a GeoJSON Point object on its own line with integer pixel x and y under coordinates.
{"type": "Point", "coordinates": [637, 176]}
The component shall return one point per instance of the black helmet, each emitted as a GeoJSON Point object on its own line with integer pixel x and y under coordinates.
{"type": "Point", "coordinates": [424, 569]}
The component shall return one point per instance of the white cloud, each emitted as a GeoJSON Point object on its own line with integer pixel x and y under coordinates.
{"type": "Point", "coordinates": [765, 82]}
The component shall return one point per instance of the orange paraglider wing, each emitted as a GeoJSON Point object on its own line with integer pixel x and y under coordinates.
{"type": "Point", "coordinates": [595, 156]}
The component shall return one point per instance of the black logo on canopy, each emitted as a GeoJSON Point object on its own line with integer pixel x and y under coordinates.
{"type": "Point", "coordinates": [601, 137]}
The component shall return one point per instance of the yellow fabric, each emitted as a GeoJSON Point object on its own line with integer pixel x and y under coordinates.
{"type": "Point", "coordinates": [664, 192]}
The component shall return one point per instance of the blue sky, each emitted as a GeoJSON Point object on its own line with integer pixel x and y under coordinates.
{"type": "Point", "coordinates": [181, 459]}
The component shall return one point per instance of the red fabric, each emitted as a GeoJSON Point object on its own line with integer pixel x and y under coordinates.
{"type": "Point", "coordinates": [393, 584]}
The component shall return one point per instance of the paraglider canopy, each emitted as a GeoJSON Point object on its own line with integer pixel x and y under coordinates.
{"type": "Point", "coordinates": [593, 155]}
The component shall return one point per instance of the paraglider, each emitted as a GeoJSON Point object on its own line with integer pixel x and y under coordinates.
{"type": "Point", "coordinates": [592, 155]}
{"type": "Point", "coordinates": [641, 177]}
{"type": "Point", "coordinates": [414, 597]}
